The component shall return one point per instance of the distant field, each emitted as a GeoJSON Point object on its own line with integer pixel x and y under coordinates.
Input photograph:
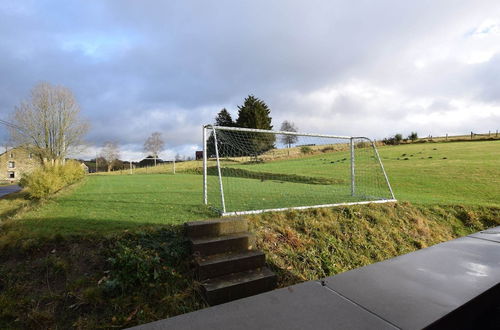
{"type": "Point", "coordinates": [445, 173]}
{"type": "Point", "coordinates": [466, 173]}
{"type": "Point", "coordinates": [424, 173]}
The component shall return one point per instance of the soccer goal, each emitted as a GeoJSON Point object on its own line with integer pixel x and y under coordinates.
{"type": "Point", "coordinates": [248, 171]}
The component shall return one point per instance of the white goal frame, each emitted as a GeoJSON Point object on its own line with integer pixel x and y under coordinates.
{"type": "Point", "coordinates": [349, 139]}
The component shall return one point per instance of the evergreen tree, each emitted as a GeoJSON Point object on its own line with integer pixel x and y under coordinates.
{"type": "Point", "coordinates": [224, 118]}
{"type": "Point", "coordinates": [254, 113]}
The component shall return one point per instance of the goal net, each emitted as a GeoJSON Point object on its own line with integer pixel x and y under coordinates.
{"type": "Point", "coordinates": [251, 171]}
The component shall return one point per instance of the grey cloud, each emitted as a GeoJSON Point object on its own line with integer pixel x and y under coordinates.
{"type": "Point", "coordinates": [188, 59]}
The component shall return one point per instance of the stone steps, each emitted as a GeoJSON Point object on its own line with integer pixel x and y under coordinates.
{"type": "Point", "coordinates": [215, 227]}
{"type": "Point", "coordinates": [239, 285]}
{"type": "Point", "coordinates": [226, 262]}
{"type": "Point", "coordinates": [223, 264]}
{"type": "Point", "coordinates": [236, 242]}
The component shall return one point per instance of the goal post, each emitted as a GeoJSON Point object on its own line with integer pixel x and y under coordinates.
{"type": "Point", "coordinates": [247, 171]}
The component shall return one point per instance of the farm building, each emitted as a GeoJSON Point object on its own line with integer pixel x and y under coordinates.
{"type": "Point", "coordinates": [16, 161]}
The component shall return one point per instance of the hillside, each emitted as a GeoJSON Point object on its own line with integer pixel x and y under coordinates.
{"type": "Point", "coordinates": [137, 276]}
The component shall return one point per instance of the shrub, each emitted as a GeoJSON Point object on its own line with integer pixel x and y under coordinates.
{"type": "Point", "coordinates": [362, 144]}
{"type": "Point", "coordinates": [49, 179]}
{"type": "Point", "coordinates": [395, 140]}
{"type": "Point", "coordinates": [327, 149]}
{"type": "Point", "coordinates": [71, 172]}
{"type": "Point", "coordinates": [145, 259]}
{"type": "Point", "coordinates": [133, 266]}
{"type": "Point", "coordinates": [305, 150]}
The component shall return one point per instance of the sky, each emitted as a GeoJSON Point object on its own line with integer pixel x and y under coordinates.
{"type": "Point", "coordinates": [362, 68]}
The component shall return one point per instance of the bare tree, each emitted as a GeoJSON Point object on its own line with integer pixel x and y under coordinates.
{"type": "Point", "coordinates": [48, 123]}
{"type": "Point", "coordinates": [110, 152]}
{"type": "Point", "coordinates": [154, 144]}
{"type": "Point", "coordinates": [288, 126]}
{"type": "Point", "coordinates": [179, 157]}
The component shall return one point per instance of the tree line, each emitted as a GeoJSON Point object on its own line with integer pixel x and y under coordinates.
{"type": "Point", "coordinates": [254, 113]}
{"type": "Point", "coordinates": [49, 125]}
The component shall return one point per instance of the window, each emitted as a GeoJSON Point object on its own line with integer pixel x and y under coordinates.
{"type": "Point", "coordinates": [12, 165]}
{"type": "Point", "coordinates": [12, 175]}
{"type": "Point", "coordinates": [11, 155]}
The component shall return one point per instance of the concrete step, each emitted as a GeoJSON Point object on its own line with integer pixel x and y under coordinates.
{"type": "Point", "coordinates": [215, 227]}
{"type": "Point", "coordinates": [237, 242]}
{"type": "Point", "coordinates": [238, 285]}
{"type": "Point", "coordinates": [223, 264]}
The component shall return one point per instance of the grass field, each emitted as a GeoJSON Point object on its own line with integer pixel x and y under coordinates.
{"type": "Point", "coordinates": [447, 173]}
{"type": "Point", "coordinates": [106, 203]}
{"type": "Point", "coordinates": [109, 252]}
{"type": "Point", "coordinates": [466, 173]}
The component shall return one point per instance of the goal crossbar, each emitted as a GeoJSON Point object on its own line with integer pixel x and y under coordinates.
{"type": "Point", "coordinates": [254, 130]}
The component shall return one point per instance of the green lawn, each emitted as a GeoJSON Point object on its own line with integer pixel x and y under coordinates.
{"type": "Point", "coordinates": [458, 173]}
{"type": "Point", "coordinates": [429, 173]}
{"type": "Point", "coordinates": [465, 173]}
{"type": "Point", "coordinates": [107, 203]}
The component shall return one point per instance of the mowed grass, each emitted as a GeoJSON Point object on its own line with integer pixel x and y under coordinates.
{"type": "Point", "coordinates": [107, 203]}
{"type": "Point", "coordinates": [465, 173]}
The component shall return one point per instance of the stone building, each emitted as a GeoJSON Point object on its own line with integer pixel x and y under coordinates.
{"type": "Point", "coordinates": [16, 161]}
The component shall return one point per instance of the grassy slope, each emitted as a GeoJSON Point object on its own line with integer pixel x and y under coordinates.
{"type": "Point", "coordinates": [311, 244]}
{"type": "Point", "coordinates": [64, 282]}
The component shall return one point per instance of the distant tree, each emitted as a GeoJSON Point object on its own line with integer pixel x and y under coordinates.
{"type": "Point", "coordinates": [110, 153]}
{"type": "Point", "coordinates": [48, 123]}
{"type": "Point", "coordinates": [288, 140]}
{"type": "Point", "coordinates": [413, 136]}
{"type": "Point", "coordinates": [224, 118]}
{"type": "Point", "coordinates": [254, 113]}
{"type": "Point", "coordinates": [398, 138]}
{"type": "Point", "coordinates": [154, 145]}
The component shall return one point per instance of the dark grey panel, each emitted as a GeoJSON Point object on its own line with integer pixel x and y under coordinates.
{"type": "Point", "coordinates": [414, 290]}
{"type": "Point", "coordinates": [304, 306]}
{"type": "Point", "coordinates": [492, 234]}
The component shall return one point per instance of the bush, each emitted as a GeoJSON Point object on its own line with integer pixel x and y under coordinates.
{"type": "Point", "coordinates": [413, 136]}
{"type": "Point", "coordinates": [146, 259]}
{"type": "Point", "coordinates": [305, 150]}
{"type": "Point", "coordinates": [362, 144]}
{"type": "Point", "coordinates": [395, 140]}
{"type": "Point", "coordinates": [49, 179]}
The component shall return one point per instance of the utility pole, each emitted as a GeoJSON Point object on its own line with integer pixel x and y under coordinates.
{"type": "Point", "coordinates": [130, 167]}
{"type": "Point", "coordinates": [96, 162]}
{"type": "Point", "coordinates": [174, 165]}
